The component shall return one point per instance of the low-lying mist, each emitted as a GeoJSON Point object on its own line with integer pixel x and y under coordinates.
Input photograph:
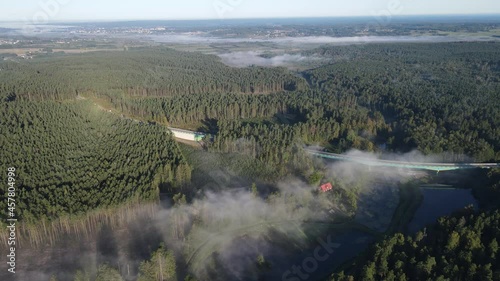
{"type": "Point", "coordinates": [195, 231]}
{"type": "Point", "coordinates": [350, 172]}
{"type": "Point", "coordinates": [243, 59]}
{"type": "Point", "coordinates": [215, 226]}
{"type": "Point", "coordinates": [412, 156]}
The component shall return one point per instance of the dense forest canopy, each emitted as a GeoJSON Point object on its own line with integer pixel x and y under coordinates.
{"type": "Point", "coordinates": [137, 72]}
{"type": "Point", "coordinates": [74, 154]}
{"type": "Point", "coordinates": [436, 97]}
{"type": "Point", "coordinates": [462, 247]}
{"type": "Point", "coordinates": [432, 97]}
{"type": "Point", "coordinates": [72, 157]}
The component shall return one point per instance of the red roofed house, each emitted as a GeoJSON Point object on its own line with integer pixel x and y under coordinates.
{"type": "Point", "coordinates": [325, 187]}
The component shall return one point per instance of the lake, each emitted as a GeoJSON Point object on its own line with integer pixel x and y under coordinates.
{"type": "Point", "coordinates": [438, 202]}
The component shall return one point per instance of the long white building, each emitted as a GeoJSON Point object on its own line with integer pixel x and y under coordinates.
{"type": "Point", "coordinates": [187, 135]}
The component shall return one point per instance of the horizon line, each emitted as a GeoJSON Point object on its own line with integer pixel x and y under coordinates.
{"type": "Point", "coordinates": [248, 18]}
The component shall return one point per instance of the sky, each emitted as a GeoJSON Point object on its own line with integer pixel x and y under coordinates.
{"type": "Point", "coordinates": [42, 11]}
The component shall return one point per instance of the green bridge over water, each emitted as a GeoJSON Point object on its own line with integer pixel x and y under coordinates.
{"type": "Point", "coordinates": [401, 164]}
